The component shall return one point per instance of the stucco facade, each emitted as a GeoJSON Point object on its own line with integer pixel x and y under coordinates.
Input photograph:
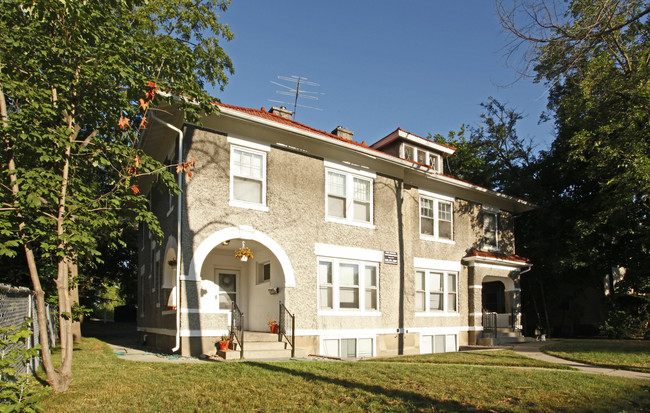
{"type": "Point", "coordinates": [360, 270]}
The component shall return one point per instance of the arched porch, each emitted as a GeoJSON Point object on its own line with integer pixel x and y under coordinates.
{"type": "Point", "coordinates": [256, 284]}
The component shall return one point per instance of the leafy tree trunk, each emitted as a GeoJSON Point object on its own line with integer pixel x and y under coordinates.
{"type": "Point", "coordinates": [55, 379]}
{"type": "Point", "coordinates": [63, 277]}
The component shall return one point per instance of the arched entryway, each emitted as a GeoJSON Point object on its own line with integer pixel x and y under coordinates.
{"type": "Point", "coordinates": [498, 298]}
{"type": "Point", "coordinates": [257, 284]}
{"type": "Point", "coordinates": [494, 297]}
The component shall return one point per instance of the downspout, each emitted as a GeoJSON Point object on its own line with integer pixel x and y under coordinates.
{"type": "Point", "coordinates": [178, 229]}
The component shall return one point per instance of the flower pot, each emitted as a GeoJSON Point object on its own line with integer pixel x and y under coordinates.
{"type": "Point", "coordinates": [275, 329]}
{"type": "Point", "coordinates": [223, 345]}
{"type": "Point", "coordinates": [244, 258]}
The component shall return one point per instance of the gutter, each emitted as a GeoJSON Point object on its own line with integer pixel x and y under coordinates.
{"type": "Point", "coordinates": [178, 229]}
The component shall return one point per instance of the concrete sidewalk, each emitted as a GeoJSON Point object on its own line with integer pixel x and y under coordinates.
{"type": "Point", "coordinates": [533, 350]}
{"type": "Point", "coordinates": [135, 354]}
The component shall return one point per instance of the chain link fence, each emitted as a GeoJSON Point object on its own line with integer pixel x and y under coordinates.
{"type": "Point", "coordinates": [16, 304]}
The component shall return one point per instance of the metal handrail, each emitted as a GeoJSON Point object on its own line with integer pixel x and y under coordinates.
{"type": "Point", "coordinates": [286, 319]}
{"type": "Point", "coordinates": [490, 323]}
{"type": "Point", "coordinates": [237, 327]}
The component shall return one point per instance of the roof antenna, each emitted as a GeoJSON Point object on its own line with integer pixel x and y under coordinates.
{"type": "Point", "coordinates": [296, 92]}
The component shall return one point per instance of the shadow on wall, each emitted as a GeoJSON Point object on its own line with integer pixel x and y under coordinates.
{"type": "Point", "coordinates": [209, 194]}
{"type": "Point", "coordinates": [474, 212]}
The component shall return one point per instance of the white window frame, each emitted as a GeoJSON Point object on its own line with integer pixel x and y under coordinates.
{"type": "Point", "coordinates": [447, 290]}
{"type": "Point", "coordinates": [487, 210]}
{"type": "Point", "coordinates": [259, 279]}
{"type": "Point", "coordinates": [427, 157]}
{"type": "Point", "coordinates": [340, 338]}
{"type": "Point", "coordinates": [436, 199]}
{"type": "Point", "coordinates": [254, 148]}
{"type": "Point", "coordinates": [335, 286]}
{"type": "Point", "coordinates": [350, 175]}
{"type": "Point", "coordinates": [423, 338]}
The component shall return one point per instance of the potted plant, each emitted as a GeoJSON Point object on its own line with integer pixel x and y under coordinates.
{"type": "Point", "coordinates": [243, 253]}
{"type": "Point", "coordinates": [273, 326]}
{"type": "Point", "coordinates": [224, 342]}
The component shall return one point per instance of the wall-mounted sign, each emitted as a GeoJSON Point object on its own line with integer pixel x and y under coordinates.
{"type": "Point", "coordinates": [390, 257]}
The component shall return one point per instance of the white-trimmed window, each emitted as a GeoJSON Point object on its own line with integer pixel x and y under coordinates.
{"type": "Point", "coordinates": [348, 196]}
{"type": "Point", "coordinates": [436, 291]}
{"type": "Point", "coordinates": [436, 218]}
{"type": "Point", "coordinates": [347, 347]}
{"type": "Point", "coordinates": [247, 178]}
{"type": "Point", "coordinates": [490, 228]}
{"type": "Point", "coordinates": [348, 285]}
{"type": "Point", "coordinates": [263, 272]}
{"type": "Point", "coordinates": [422, 156]}
{"type": "Point", "coordinates": [438, 343]}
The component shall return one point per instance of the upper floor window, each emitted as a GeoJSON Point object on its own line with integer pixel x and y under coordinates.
{"type": "Point", "coordinates": [436, 218]}
{"type": "Point", "coordinates": [422, 156]}
{"type": "Point", "coordinates": [349, 196]}
{"type": "Point", "coordinates": [436, 291]}
{"type": "Point", "coordinates": [348, 285]}
{"type": "Point", "coordinates": [248, 175]}
{"type": "Point", "coordinates": [490, 228]}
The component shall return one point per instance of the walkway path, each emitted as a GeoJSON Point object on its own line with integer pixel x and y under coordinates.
{"type": "Point", "coordinates": [532, 350]}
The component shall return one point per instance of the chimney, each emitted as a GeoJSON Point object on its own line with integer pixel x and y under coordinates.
{"type": "Point", "coordinates": [281, 111]}
{"type": "Point", "coordinates": [341, 132]}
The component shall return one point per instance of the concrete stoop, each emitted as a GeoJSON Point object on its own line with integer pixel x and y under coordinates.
{"type": "Point", "coordinates": [259, 346]}
{"type": "Point", "coordinates": [504, 336]}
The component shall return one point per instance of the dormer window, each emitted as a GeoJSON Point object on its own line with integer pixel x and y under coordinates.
{"type": "Point", "coordinates": [422, 156]}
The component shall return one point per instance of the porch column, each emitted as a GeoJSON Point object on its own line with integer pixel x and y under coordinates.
{"type": "Point", "coordinates": [475, 306]}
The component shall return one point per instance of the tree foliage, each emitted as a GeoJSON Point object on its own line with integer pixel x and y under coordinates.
{"type": "Point", "coordinates": [594, 56]}
{"type": "Point", "coordinates": [491, 154]}
{"type": "Point", "coordinates": [76, 81]}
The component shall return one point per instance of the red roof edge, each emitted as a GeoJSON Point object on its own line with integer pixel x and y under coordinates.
{"type": "Point", "coordinates": [496, 255]}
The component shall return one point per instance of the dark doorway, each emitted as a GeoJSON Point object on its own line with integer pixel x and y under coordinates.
{"type": "Point", "coordinates": [494, 297]}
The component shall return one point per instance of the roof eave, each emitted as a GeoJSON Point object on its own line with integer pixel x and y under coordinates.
{"type": "Point", "coordinates": [499, 261]}
{"type": "Point", "coordinates": [376, 154]}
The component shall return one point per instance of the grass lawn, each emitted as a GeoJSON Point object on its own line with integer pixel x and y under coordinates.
{"type": "Point", "coordinates": [103, 382]}
{"type": "Point", "coordinates": [620, 354]}
{"type": "Point", "coordinates": [485, 358]}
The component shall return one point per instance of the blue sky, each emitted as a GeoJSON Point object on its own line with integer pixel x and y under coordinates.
{"type": "Point", "coordinates": [423, 65]}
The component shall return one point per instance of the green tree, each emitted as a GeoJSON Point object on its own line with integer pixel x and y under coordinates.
{"type": "Point", "coordinates": [594, 57]}
{"type": "Point", "coordinates": [491, 154]}
{"type": "Point", "coordinates": [71, 76]}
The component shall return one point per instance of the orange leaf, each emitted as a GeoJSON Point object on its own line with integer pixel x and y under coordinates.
{"type": "Point", "coordinates": [178, 168]}
{"type": "Point", "coordinates": [189, 174]}
{"type": "Point", "coordinates": [137, 161]}
{"type": "Point", "coordinates": [151, 89]}
{"type": "Point", "coordinates": [123, 122]}
{"type": "Point", "coordinates": [143, 124]}
{"type": "Point", "coordinates": [144, 105]}
{"type": "Point", "coordinates": [135, 190]}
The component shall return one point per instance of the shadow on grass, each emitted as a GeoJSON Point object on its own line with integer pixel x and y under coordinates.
{"type": "Point", "coordinates": [410, 399]}
{"type": "Point", "coordinates": [121, 334]}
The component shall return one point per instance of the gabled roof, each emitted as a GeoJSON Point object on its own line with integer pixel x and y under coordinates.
{"type": "Point", "coordinates": [400, 133]}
